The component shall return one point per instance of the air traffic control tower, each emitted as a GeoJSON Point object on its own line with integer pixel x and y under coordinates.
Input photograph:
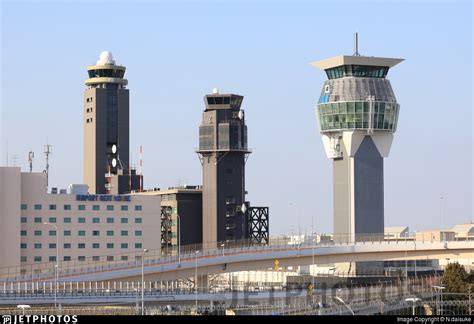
{"type": "Point", "coordinates": [107, 130]}
{"type": "Point", "coordinates": [357, 113]}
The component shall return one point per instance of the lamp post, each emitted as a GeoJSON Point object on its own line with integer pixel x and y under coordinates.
{"type": "Point", "coordinates": [443, 211]}
{"type": "Point", "coordinates": [413, 300]}
{"type": "Point", "coordinates": [439, 311]}
{"type": "Point", "coordinates": [56, 267]}
{"type": "Point", "coordinates": [223, 248]}
{"type": "Point", "coordinates": [143, 281]}
{"type": "Point", "coordinates": [196, 282]}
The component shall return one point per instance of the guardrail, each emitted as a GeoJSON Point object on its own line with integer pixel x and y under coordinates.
{"type": "Point", "coordinates": [46, 270]}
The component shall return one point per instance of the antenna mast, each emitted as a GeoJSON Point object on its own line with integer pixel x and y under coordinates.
{"type": "Point", "coordinates": [141, 165]}
{"type": "Point", "coordinates": [47, 152]}
{"type": "Point", "coordinates": [356, 44]}
{"type": "Point", "coordinates": [31, 156]}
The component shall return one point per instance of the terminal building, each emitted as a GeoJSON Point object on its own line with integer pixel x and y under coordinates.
{"type": "Point", "coordinates": [88, 227]}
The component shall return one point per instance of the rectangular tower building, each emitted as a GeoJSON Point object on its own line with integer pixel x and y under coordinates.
{"type": "Point", "coordinates": [106, 129]}
{"type": "Point", "coordinates": [223, 152]}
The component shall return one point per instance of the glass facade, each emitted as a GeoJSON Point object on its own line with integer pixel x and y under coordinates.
{"type": "Point", "coordinates": [358, 115]}
{"type": "Point", "coordinates": [366, 71]}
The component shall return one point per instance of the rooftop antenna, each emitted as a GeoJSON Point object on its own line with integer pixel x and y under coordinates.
{"type": "Point", "coordinates": [47, 152]}
{"type": "Point", "coordinates": [356, 44]}
{"type": "Point", "coordinates": [141, 166]}
{"type": "Point", "coordinates": [31, 156]}
{"type": "Point", "coordinates": [14, 159]}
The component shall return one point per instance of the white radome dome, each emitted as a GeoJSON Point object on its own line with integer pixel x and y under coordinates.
{"type": "Point", "coordinates": [105, 58]}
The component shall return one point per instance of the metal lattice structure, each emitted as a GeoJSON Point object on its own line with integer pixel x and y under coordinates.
{"type": "Point", "coordinates": [166, 231]}
{"type": "Point", "coordinates": [258, 224]}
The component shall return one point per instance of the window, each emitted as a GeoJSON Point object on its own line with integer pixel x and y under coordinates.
{"type": "Point", "coordinates": [23, 246]}
{"type": "Point", "coordinates": [110, 258]}
{"type": "Point", "coordinates": [67, 258]}
{"type": "Point", "coordinates": [67, 245]}
{"type": "Point", "coordinates": [23, 233]}
{"type": "Point", "coordinates": [138, 245]}
{"type": "Point", "coordinates": [52, 220]}
{"type": "Point", "coordinates": [110, 245]}
{"type": "Point", "coordinates": [37, 233]}
{"type": "Point", "coordinates": [96, 258]}
{"type": "Point", "coordinates": [52, 258]}
{"type": "Point", "coordinates": [52, 233]}
{"type": "Point", "coordinates": [52, 207]}
{"type": "Point", "coordinates": [124, 220]}
{"type": "Point", "coordinates": [38, 207]}
{"type": "Point", "coordinates": [23, 219]}
{"type": "Point", "coordinates": [124, 257]}
{"type": "Point", "coordinates": [38, 220]}
{"type": "Point", "coordinates": [138, 220]}
{"type": "Point", "coordinates": [95, 233]}
{"type": "Point", "coordinates": [95, 207]}
{"type": "Point", "coordinates": [95, 245]}
{"type": "Point", "coordinates": [138, 207]}
{"type": "Point", "coordinates": [81, 258]}
{"type": "Point", "coordinates": [124, 208]}
{"type": "Point", "coordinates": [67, 220]}
{"type": "Point", "coordinates": [124, 246]}
{"type": "Point", "coordinates": [67, 207]}
{"type": "Point", "coordinates": [52, 245]}
{"type": "Point", "coordinates": [67, 233]}
{"type": "Point", "coordinates": [110, 207]}
{"type": "Point", "coordinates": [81, 245]}
{"type": "Point", "coordinates": [110, 220]}
{"type": "Point", "coordinates": [124, 233]}
{"type": "Point", "coordinates": [110, 233]}
{"type": "Point", "coordinates": [95, 220]}
{"type": "Point", "coordinates": [23, 259]}
{"type": "Point", "coordinates": [81, 233]}
{"type": "Point", "coordinates": [24, 206]}
{"type": "Point", "coordinates": [37, 245]}
{"type": "Point", "coordinates": [81, 220]}
{"type": "Point", "coordinates": [81, 207]}
{"type": "Point", "coordinates": [138, 233]}
{"type": "Point", "coordinates": [37, 259]}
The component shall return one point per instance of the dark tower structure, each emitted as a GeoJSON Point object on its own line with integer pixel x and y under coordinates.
{"type": "Point", "coordinates": [106, 129]}
{"type": "Point", "coordinates": [223, 152]}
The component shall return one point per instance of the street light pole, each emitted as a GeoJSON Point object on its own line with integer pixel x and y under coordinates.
{"type": "Point", "coordinates": [196, 282]}
{"type": "Point", "coordinates": [143, 281]}
{"type": "Point", "coordinates": [56, 267]}
{"type": "Point", "coordinates": [223, 248]}
{"type": "Point", "coordinates": [413, 300]}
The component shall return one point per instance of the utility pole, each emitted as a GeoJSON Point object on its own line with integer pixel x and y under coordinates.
{"type": "Point", "coordinates": [31, 156]}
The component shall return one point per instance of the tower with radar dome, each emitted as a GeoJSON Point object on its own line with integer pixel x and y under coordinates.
{"type": "Point", "coordinates": [107, 167]}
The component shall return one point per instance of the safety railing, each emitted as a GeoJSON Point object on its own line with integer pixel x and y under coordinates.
{"type": "Point", "coordinates": [166, 256]}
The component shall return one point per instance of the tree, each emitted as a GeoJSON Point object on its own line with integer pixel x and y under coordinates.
{"type": "Point", "coordinates": [455, 279]}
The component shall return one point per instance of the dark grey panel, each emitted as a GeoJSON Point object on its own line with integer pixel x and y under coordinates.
{"type": "Point", "coordinates": [369, 195]}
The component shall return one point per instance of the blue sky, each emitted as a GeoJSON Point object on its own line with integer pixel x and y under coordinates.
{"type": "Point", "coordinates": [177, 51]}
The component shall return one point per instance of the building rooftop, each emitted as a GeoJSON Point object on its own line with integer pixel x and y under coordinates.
{"type": "Point", "coordinates": [355, 60]}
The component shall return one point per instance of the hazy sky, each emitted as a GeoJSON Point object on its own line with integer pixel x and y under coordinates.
{"type": "Point", "coordinates": [177, 51]}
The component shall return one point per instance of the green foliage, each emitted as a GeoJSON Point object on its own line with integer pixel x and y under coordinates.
{"type": "Point", "coordinates": [455, 279]}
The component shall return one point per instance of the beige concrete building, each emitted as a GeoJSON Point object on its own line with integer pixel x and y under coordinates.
{"type": "Point", "coordinates": [435, 235]}
{"type": "Point", "coordinates": [87, 227]}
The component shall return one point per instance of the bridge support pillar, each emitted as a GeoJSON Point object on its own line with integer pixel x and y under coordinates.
{"type": "Point", "coordinates": [203, 283]}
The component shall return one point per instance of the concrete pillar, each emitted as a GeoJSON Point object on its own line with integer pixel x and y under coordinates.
{"type": "Point", "coordinates": [203, 283]}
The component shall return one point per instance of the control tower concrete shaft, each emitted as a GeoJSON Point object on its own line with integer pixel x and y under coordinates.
{"type": "Point", "coordinates": [357, 114]}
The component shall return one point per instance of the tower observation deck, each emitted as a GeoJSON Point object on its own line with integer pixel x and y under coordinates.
{"type": "Point", "coordinates": [357, 115]}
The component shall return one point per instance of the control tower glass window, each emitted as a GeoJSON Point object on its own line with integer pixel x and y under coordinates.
{"type": "Point", "coordinates": [357, 71]}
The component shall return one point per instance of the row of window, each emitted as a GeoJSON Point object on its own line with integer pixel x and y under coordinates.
{"type": "Point", "coordinates": [80, 207]}
{"type": "Point", "coordinates": [82, 220]}
{"type": "Point", "coordinates": [79, 258]}
{"type": "Point", "coordinates": [80, 233]}
{"type": "Point", "coordinates": [357, 71]}
{"type": "Point", "coordinates": [353, 115]}
{"type": "Point", "coordinates": [80, 245]}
